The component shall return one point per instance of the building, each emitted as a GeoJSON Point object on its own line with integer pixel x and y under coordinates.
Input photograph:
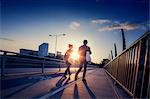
{"type": "Point", "coordinates": [28, 52]}
{"type": "Point", "coordinates": [43, 49]}
{"type": "Point", "coordinates": [51, 55]}
{"type": "Point", "coordinates": [104, 62]}
{"type": "Point", "coordinates": [59, 56]}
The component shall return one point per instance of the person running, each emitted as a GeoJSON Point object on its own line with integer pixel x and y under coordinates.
{"type": "Point", "coordinates": [82, 60]}
{"type": "Point", "coordinates": [66, 58]}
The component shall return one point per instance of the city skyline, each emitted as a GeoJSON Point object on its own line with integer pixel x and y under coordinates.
{"type": "Point", "coordinates": [28, 23]}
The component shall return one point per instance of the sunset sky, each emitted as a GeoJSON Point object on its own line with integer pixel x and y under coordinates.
{"type": "Point", "coordinates": [28, 23]}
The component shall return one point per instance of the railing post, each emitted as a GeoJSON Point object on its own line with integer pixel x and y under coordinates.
{"type": "Point", "coordinates": [3, 63]}
{"type": "Point", "coordinates": [43, 66]}
{"type": "Point", "coordinates": [59, 67]}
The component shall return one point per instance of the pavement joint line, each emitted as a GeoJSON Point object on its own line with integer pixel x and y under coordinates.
{"type": "Point", "coordinates": [116, 94]}
{"type": "Point", "coordinates": [58, 90]}
{"type": "Point", "coordinates": [124, 88]}
{"type": "Point", "coordinates": [61, 88]}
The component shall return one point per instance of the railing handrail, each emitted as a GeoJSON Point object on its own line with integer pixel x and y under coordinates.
{"type": "Point", "coordinates": [144, 35]}
{"type": "Point", "coordinates": [32, 56]}
{"type": "Point", "coordinates": [130, 69]}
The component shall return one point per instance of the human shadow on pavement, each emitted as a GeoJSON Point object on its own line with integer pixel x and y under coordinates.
{"type": "Point", "coordinates": [76, 93]}
{"type": "Point", "coordinates": [27, 81]}
{"type": "Point", "coordinates": [14, 82]}
{"type": "Point", "coordinates": [19, 90]}
{"type": "Point", "coordinates": [89, 90]}
{"type": "Point", "coordinates": [58, 85]}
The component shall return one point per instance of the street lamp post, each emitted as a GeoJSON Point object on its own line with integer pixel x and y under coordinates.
{"type": "Point", "coordinates": [56, 36]}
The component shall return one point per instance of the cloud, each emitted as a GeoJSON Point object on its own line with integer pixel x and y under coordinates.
{"type": "Point", "coordinates": [126, 26]}
{"type": "Point", "coordinates": [6, 39]}
{"type": "Point", "coordinates": [100, 21]}
{"type": "Point", "coordinates": [74, 25]}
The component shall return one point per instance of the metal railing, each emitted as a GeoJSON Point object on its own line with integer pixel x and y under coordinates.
{"type": "Point", "coordinates": [12, 63]}
{"type": "Point", "coordinates": [16, 61]}
{"type": "Point", "coordinates": [131, 68]}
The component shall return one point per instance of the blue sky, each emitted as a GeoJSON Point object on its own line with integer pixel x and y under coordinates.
{"type": "Point", "coordinates": [27, 23]}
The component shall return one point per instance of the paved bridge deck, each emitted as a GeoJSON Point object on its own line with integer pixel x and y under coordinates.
{"type": "Point", "coordinates": [97, 85]}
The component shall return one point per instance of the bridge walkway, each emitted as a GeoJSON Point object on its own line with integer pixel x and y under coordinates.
{"type": "Point", "coordinates": [97, 85]}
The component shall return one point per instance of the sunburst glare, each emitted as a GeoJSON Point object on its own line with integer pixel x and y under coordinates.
{"type": "Point", "coordinates": [75, 55]}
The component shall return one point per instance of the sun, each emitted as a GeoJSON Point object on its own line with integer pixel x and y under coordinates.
{"type": "Point", "coordinates": [75, 55]}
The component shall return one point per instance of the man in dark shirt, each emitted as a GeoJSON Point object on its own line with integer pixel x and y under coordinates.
{"type": "Point", "coordinates": [82, 60]}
